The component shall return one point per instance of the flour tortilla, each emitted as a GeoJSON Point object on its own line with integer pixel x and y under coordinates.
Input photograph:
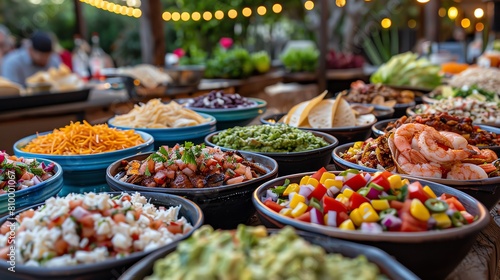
{"type": "Point", "coordinates": [343, 114]}
{"type": "Point", "coordinates": [322, 114]}
{"type": "Point", "coordinates": [298, 114]}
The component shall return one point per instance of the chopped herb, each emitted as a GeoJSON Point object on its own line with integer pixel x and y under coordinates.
{"type": "Point", "coordinates": [158, 158]}
{"type": "Point", "coordinates": [279, 190]}
{"type": "Point", "coordinates": [178, 154]}
{"type": "Point", "coordinates": [116, 197]}
{"type": "Point", "coordinates": [146, 172]}
{"type": "Point", "coordinates": [189, 156]}
{"type": "Point", "coordinates": [37, 171]}
{"type": "Point", "coordinates": [163, 151]}
{"type": "Point", "coordinates": [281, 200]}
{"type": "Point", "coordinates": [218, 165]}
{"type": "Point", "coordinates": [287, 182]}
{"type": "Point", "coordinates": [170, 162]}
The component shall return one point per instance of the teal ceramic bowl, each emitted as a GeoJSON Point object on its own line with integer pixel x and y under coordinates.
{"type": "Point", "coordinates": [231, 117]}
{"type": "Point", "coordinates": [172, 136]}
{"type": "Point", "coordinates": [86, 170]}
{"type": "Point", "coordinates": [35, 194]}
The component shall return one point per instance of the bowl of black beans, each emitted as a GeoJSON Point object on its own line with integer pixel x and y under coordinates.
{"type": "Point", "coordinates": [229, 109]}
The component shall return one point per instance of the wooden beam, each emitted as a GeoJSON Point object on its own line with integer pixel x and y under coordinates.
{"type": "Point", "coordinates": [323, 45]}
{"type": "Point", "coordinates": [151, 33]}
{"type": "Point", "coordinates": [80, 27]}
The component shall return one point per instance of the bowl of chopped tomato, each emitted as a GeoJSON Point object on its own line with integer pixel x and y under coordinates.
{"type": "Point", "coordinates": [416, 221]}
{"type": "Point", "coordinates": [92, 235]}
{"type": "Point", "coordinates": [220, 182]}
{"type": "Point", "coordinates": [27, 181]}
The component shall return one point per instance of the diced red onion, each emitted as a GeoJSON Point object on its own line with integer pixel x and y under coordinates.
{"type": "Point", "coordinates": [290, 196]}
{"type": "Point", "coordinates": [36, 180]}
{"type": "Point", "coordinates": [384, 194]}
{"type": "Point", "coordinates": [306, 190]}
{"type": "Point", "coordinates": [391, 221]}
{"type": "Point", "coordinates": [367, 177]}
{"type": "Point", "coordinates": [349, 175]}
{"type": "Point", "coordinates": [339, 178]}
{"type": "Point", "coordinates": [79, 212]}
{"type": "Point", "coordinates": [373, 193]}
{"type": "Point", "coordinates": [332, 191]}
{"type": "Point", "coordinates": [316, 217]}
{"type": "Point", "coordinates": [49, 167]}
{"type": "Point", "coordinates": [272, 195]}
{"type": "Point", "coordinates": [371, 228]}
{"type": "Point", "coordinates": [332, 218]}
{"type": "Point", "coordinates": [431, 223]}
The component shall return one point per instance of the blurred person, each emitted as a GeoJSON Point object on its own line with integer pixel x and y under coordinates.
{"type": "Point", "coordinates": [63, 53]}
{"type": "Point", "coordinates": [37, 55]}
{"type": "Point", "coordinates": [5, 44]}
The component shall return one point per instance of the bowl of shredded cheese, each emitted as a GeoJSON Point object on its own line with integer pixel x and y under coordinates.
{"type": "Point", "coordinates": [168, 123]}
{"type": "Point", "coordinates": [84, 151]}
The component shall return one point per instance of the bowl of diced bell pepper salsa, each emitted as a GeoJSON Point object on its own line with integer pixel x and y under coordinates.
{"type": "Point", "coordinates": [416, 221]}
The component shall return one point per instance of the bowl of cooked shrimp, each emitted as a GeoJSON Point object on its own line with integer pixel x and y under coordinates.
{"type": "Point", "coordinates": [420, 151]}
{"type": "Point", "coordinates": [220, 182]}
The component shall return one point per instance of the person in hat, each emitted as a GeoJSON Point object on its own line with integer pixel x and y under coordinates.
{"type": "Point", "coordinates": [37, 56]}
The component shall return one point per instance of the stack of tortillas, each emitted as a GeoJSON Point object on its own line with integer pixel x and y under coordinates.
{"type": "Point", "coordinates": [321, 113]}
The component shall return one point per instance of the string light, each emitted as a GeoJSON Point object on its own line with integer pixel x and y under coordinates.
{"type": "Point", "coordinates": [219, 14]}
{"type": "Point", "coordinates": [479, 26]}
{"type": "Point", "coordinates": [442, 12]}
{"type": "Point", "coordinates": [196, 16]}
{"type": "Point", "coordinates": [478, 13]}
{"type": "Point", "coordinates": [185, 16]}
{"type": "Point", "coordinates": [412, 23]}
{"type": "Point", "coordinates": [125, 10]}
{"type": "Point", "coordinates": [452, 13]}
{"type": "Point", "coordinates": [232, 13]}
{"type": "Point", "coordinates": [207, 16]}
{"type": "Point", "coordinates": [465, 22]}
{"type": "Point", "coordinates": [166, 16]}
{"type": "Point", "coordinates": [309, 5]}
{"type": "Point", "coordinates": [340, 3]}
{"type": "Point", "coordinates": [176, 16]}
{"type": "Point", "coordinates": [277, 8]}
{"type": "Point", "coordinates": [261, 10]}
{"type": "Point", "coordinates": [246, 12]}
{"type": "Point", "coordinates": [386, 23]}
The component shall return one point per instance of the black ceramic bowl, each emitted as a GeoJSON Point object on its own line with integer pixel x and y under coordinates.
{"type": "Point", "coordinates": [111, 268]}
{"type": "Point", "coordinates": [486, 191]}
{"type": "Point", "coordinates": [289, 163]}
{"type": "Point", "coordinates": [379, 127]}
{"type": "Point", "coordinates": [343, 134]}
{"type": "Point", "coordinates": [223, 207]}
{"type": "Point", "coordinates": [387, 265]}
{"type": "Point", "coordinates": [430, 255]}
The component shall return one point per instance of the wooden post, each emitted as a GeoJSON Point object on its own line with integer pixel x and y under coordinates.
{"type": "Point", "coordinates": [432, 21]}
{"type": "Point", "coordinates": [80, 27]}
{"type": "Point", "coordinates": [151, 33]}
{"type": "Point", "coordinates": [323, 45]}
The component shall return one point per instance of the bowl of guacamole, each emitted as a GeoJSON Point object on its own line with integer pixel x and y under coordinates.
{"type": "Point", "coordinates": [258, 253]}
{"type": "Point", "coordinates": [295, 150]}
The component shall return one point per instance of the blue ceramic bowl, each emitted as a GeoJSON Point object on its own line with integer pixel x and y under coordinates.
{"type": "Point", "coordinates": [429, 254]}
{"type": "Point", "coordinates": [109, 268]}
{"type": "Point", "coordinates": [231, 117]}
{"type": "Point", "coordinates": [172, 136]}
{"type": "Point", "coordinates": [487, 191]}
{"type": "Point", "coordinates": [85, 170]}
{"type": "Point", "coordinates": [36, 194]}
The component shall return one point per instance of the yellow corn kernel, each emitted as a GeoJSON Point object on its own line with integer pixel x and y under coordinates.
{"type": "Point", "coordinates": [380, 204]}
{"type": "Point", "coordinates": [395, 181]}
{"type": "Point", "coordinates": [325, 176]}
{"type": "Point", "coordinates": [304, 180]}
{"type": "Point", "coordinates": [356, 217]}
{"type": "Point", "coordinates": [313, 182]}
{"type": "Point", "coordinates": [368, 214]}
{"type": "Point", "coordinates": [296, 199]}
{"type": "Point", "coordinates": [442, 220]}
{"type": "Point", "coordinates": [286, 212]}
{"type": "Point", "coordinates": [333, 183]}
{"type": "Point", "coordinates": [358, 145]}
{"type": "Point", "coordinates": [294, 187]}
{"type": "Point", "coordinates": [347, 225]}
{"type": "Point", "coordinates": [405, 182]}
{"type": "Point", "coordinates": [419, 211]}
{"type": "Point", "coordinates": [342, 198]}
{"type": "Point", "coordinates": [300, 209]}
{"type": "Point", "coordinates": [429, 191]}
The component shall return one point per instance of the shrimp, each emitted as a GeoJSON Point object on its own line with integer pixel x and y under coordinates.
{"type": "Point", "coordinates": [466, 171]}
{"type": "Point", "coordinates": [427, 169]}
{"type": "Point", "coordinates": [437, 148]}
{"type": "Point", "coordinates": [405, 143]}
{"type": "Point", "coordinates": [481, 155]}
{"type": "Point", "coordinates": [457, 141]}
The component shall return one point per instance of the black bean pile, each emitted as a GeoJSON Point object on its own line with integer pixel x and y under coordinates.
{"type": "Point", "coordinates": [221, 100]}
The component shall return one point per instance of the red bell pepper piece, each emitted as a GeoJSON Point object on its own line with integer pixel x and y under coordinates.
{"type": "Point", "coordinates": [341, 217]}
{"type": "Point", "coordinates": [356, 182]}
{"type": "Point", "coordinates": [318, 192]}
{"type": "Point", "coordinates": [396, 204]}
{"type": "Point", "coordinates": [331, 204]}
{"type": "Point", "coordinates": [458, 205]}
{"type": "Point", "coordinates": [273, 205]}
{"type": "Point", "coordinates": [317, 174]}
{"type": "Point", "coordinates": [468, 217]}
{"type": "Point", "coordinates": [409, 223]}
{"type": "Point", "coordinates": [415, 190]}
{"type": "Point", "coordinates": [382, 181]}
{"type": "Point", "coordinates": [306, 217]}
{"type": "Point", "coordinates": [356, 200]}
